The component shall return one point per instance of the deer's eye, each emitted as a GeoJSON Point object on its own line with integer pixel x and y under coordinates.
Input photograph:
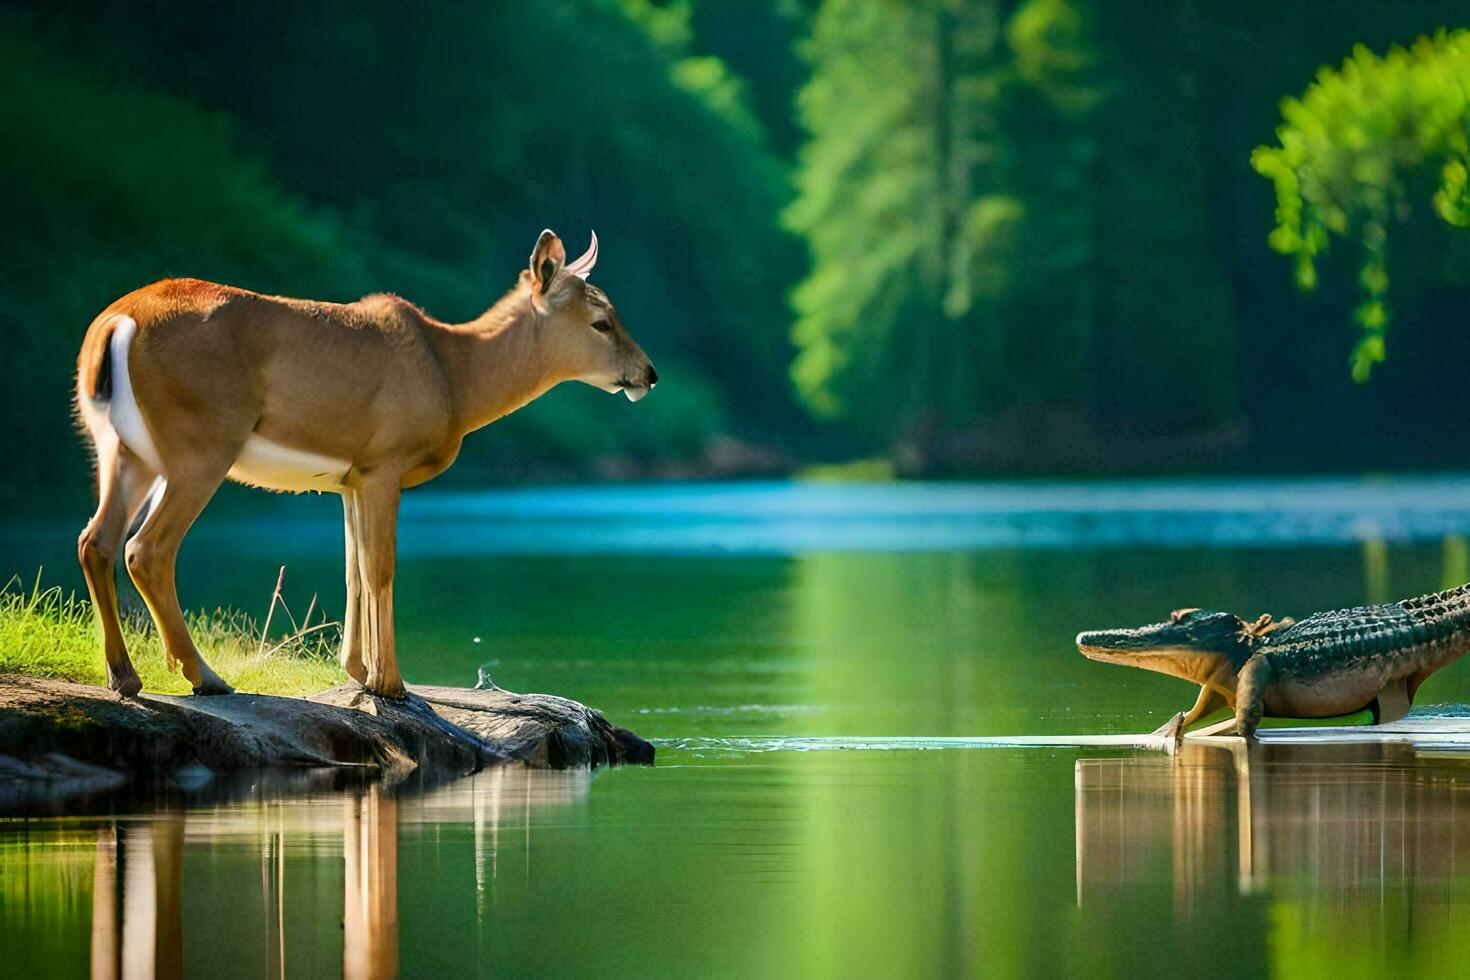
{"type": "Point", "coordinates": [602, 326]}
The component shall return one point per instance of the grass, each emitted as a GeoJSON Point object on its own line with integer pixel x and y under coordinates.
{"type": "Point", "coordinates": [48, 633]}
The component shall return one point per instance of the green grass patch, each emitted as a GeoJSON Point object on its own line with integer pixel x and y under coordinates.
{"type": "Point", "coordinates": [48, 633]}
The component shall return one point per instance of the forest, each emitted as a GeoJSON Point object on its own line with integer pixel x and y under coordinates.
{"type": "Point", "coordinates": [933, 238]}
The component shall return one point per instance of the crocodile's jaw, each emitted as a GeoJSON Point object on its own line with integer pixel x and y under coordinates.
{"type": "Point", "coordinates": [1194, 645]}
{"type": "Point", "coordinates": [1193, 665]}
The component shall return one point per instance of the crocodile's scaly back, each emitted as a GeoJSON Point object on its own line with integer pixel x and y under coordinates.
{"type": "Point", "coordinates": [1421, 633]}
{"type": "Point", "coordinates": [1331, 663]}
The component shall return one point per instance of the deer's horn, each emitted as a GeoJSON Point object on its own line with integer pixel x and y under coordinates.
{"type": "Point", "coordinates": [582, 268]}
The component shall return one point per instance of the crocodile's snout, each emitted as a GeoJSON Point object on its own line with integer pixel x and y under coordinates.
{"type": "Point", "coordinates": [1125, 646]}
{"type": "Point", "coordinates": [1091, 639]}
{"type": "Point", "coordinates": [1092, 642]}
{"type": "Point", "coordinates": [1187, 644]}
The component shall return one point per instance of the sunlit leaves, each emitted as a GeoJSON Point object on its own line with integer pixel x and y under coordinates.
{"type": "Point", "coordinates": [1452, 200]}
{"type": "Point", "coordinates": [330, 175]}
{"type": "Point", "coordinates": [1054, 52]}
{"type": "Point", "coordinates": [991, 226]}
{"type": "Point", "coordinates": [938, 193]}
{"type": "Point", "coordinates": [1350, 150]}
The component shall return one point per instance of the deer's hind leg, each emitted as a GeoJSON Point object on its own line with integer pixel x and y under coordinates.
{"type": "Point", "coordinates": [151, 558]}
{"type": "Point", "coordinates": [123, 482]}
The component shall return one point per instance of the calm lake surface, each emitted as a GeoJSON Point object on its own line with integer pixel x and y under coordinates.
{"type": "Point", "coordinates": [757, 633]}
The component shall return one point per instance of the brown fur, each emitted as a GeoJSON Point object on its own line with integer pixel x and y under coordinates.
{"type": "Point", "coordinates": [376, 383]}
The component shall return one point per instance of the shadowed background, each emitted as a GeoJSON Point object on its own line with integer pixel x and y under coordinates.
{"type": "Point", "coordinates": [952, 238]}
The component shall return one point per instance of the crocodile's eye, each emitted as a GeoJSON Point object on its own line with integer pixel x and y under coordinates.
{"type": "Point", "coordinates": [1180, 615]}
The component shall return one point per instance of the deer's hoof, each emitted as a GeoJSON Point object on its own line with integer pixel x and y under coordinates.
{"type": "Point", "coordinates": [392, 692]}
{"type": "Point", "coordinates": [211, 683]}
{"type": "Point", "coordinates": [126, 683]}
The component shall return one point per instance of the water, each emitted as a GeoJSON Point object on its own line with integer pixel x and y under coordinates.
{"type": "Point", "coordinates": [826, 671]}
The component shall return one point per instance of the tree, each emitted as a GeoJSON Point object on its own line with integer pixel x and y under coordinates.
{"type": "Point", "coordinates": [409, 148]}
{"type": "Point", "coordinates": [880, 189]}
{"type": "Point", "coordinates": [997, 237]}
{"type": "Point", "coordinates": [1364, 145]}
{"type": "Point", "coordinates": [901, 196]}
{"type": "Point", "coordinates": [107, 189]}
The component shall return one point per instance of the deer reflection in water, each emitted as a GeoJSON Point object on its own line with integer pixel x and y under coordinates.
{"type": "Point", "coordinates": [140, 887]}
{"type": "Point", "coordinates": [1352, 820]}
{"type": "Point", "coordinates": [137, 900]}
{"type": "Point", "coordinates": [370, 895]}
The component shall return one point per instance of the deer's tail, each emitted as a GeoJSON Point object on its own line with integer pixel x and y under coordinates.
{"type": "Point", "coordinates": [105, 401]}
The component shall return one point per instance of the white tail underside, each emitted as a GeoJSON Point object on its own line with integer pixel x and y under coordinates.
{"type": "Point", "coordinates": [261, 462]}
{"type": "Point", "coordinates": [122, 411]}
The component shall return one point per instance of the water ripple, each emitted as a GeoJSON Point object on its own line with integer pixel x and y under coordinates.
{"type": "Point", "coordinates": [902, 743]}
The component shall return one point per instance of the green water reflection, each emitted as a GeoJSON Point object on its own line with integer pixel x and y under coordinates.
{"type": "Point", "coordinates": [825, 863]}
{"type": "Point", "coordinates": [718, 862]}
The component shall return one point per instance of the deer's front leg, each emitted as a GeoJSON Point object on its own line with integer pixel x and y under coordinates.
{"type": "Point", "coordinates": [375, 518]}
{"type": "Point", "coordinates": [351, 653]}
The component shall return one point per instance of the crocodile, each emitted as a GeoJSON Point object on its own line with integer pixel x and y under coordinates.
{"type": "Point", "coordinates": [1328, 664]}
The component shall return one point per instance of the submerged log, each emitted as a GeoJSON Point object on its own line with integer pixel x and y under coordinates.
{"type": "Point", "coordinates": [73, 735]}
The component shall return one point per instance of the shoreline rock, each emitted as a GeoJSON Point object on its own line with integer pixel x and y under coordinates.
{"type": "Point", "coordinates": [60, 740]}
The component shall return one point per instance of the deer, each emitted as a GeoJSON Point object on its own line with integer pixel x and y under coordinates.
{"type": "Point", "coordinates": [184, 384]}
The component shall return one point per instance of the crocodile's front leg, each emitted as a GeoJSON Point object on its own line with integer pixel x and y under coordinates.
{"type": "Point", "coordinates": [1250, 695]}
{"type": "Point", "coordinates": [1209, 700]}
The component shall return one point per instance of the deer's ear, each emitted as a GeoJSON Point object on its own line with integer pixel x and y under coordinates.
{"type": "Point", "coordinates": [547, 259]}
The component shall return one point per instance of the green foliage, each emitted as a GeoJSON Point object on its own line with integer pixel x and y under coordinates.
{"type": "Point", "coordinates": [860, 175]}
{"type": "Point", "coordinates": [1054, 47]}
{"type": "Point", "coordinates": [331, 175]}
{"type": "Point", "coordinates": [757, 41]}
{"type": "Point", "coordinates": [1009, 219]}
{"type": "Point", "coordinates": [970, 195]}
{"type": "Point", "coordinates": [111, 189]}
{"type": "Point", "coordinates": [1352, 157]}
{"type": "Point", "coordinates": [909, 202]}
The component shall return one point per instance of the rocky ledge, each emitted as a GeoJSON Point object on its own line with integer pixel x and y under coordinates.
{"type": "Point", "coordinates": [77, 738]}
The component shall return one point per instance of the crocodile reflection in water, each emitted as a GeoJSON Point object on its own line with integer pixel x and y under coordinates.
{"type": "Point", "coordinates": [1353, 818]}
